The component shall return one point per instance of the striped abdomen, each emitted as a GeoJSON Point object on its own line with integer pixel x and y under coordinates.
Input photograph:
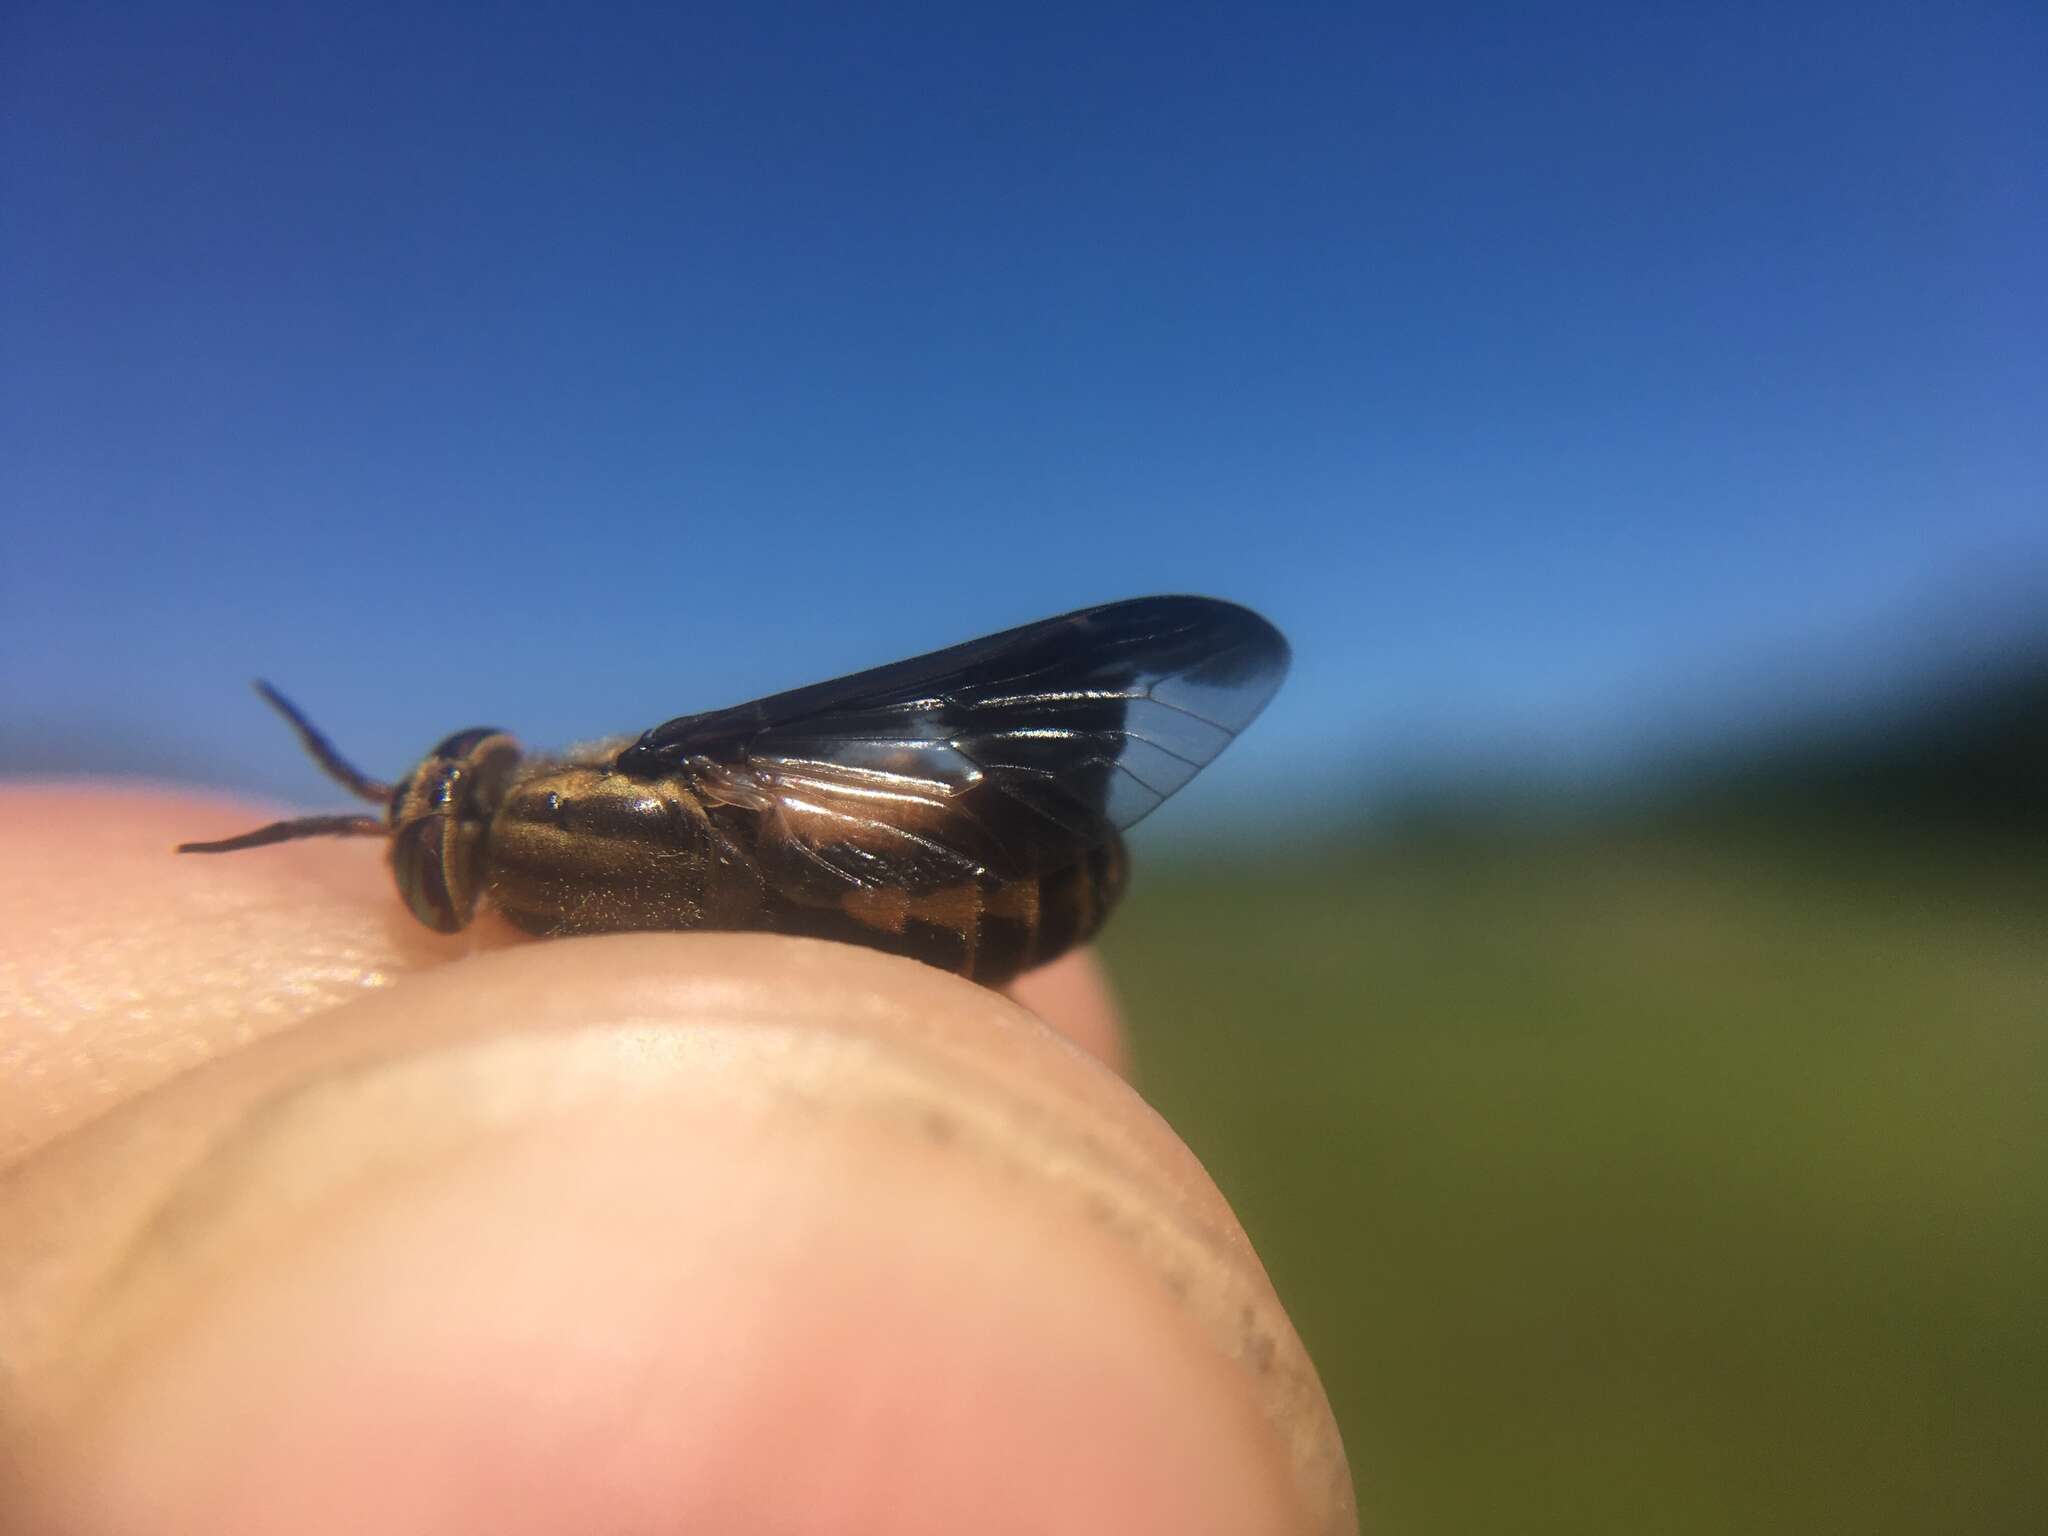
{"type": "Point", "coordinates": [987, 933]}
{"type": "Point", "coordinates": [579, 848]}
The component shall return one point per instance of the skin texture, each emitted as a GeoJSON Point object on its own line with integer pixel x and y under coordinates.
{"type": "Point", "coordinates": [313, 1220]}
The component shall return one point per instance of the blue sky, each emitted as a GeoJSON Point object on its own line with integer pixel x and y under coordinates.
{"type": "Point", "coordinates": [1547, 377]}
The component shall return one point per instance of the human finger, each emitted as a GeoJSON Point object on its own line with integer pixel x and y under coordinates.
{"type": "Point", "coordinates": [784, 1236]}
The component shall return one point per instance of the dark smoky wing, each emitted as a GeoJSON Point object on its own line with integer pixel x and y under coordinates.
{"type": "Point", "coordinates": [1004, 756]}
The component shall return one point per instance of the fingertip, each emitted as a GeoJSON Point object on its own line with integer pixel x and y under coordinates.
{"type": "Point", "coordinates": [838, 1336]}
{"type": "Point", "coordinates": [123, 964]}
{"type": "Point", "coordinates": [825, 1204]}
{"type": "Point", "coordinates": [1074, 995]}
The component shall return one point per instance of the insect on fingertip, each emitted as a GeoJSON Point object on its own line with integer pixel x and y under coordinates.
{"type": "Point", "coordinates": [964, 808]}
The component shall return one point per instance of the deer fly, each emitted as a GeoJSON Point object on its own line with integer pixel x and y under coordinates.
{"type": "Point", "coordinates": [964, 808]}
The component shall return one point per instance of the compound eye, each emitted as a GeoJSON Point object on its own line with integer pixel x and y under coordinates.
{"type": "Point", "coordinates": [436, 873]}
{"type": "Point", "coordinates": [440, 819]}
{"type": "Point", "coordinates": [466, 746]}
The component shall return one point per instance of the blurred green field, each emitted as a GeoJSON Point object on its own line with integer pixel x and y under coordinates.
{"type": "Point", "coordinates": [1633, 1183]}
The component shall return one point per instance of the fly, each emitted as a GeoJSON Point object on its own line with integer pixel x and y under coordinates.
{"type": "Point", "coordinates": [964, 808]}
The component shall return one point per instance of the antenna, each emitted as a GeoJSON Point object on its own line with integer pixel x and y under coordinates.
{"type": "Point", "coordinates": [286, 831]}
{"type": "Point", "coordinates": [337, 767]}
{"type": "Point", "coordinates": [322, 751]}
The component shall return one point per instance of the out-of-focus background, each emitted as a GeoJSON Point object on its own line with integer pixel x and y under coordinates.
{"type": "Point", "coordinates": [1611, 981]}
